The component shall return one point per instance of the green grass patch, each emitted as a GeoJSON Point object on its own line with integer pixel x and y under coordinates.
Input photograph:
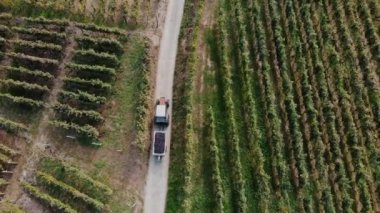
{"type": "Point", "coordinates": [121, 123]}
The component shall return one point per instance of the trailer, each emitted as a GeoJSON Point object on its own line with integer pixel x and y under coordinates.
{"type": "Point", "coordinates": [159, 144]}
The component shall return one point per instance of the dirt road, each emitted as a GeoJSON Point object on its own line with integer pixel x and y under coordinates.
{"type": "Point", "coordinates": [158, 172]}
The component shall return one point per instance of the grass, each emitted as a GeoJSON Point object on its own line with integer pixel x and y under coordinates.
{"type": "Point", "coordinates": [123, 199]}
{"type": "Point", "coordinates": [121, 125]}
{"type": "Point", "coordinates": [119, 203]}
{"type": "Point", "coordinates": [119, 129]}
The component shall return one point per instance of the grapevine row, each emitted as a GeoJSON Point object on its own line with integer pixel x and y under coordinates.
{"type": "Point", "coordinates": [21, 73]}
{"type": "Point", "coordinates": [358, 93]}
{"type": "Point", "coordinates": [254, 135]}
{"type": "Point", "coordinates": [370, 31]}
{"type": "Point", "coordinates": [95, 86]}
{"type": "Point", "coordinates": [96, 28]}
{"type": "Point", "coordinates": [74, 177]}
{"type": "Point", "coordinates": [290, 104]}
{"type": "Point", "coordinates": [342, 72]}
{"type": "Point", "coordinates": [8, 151]}
{"type": "Point", "coordinates": [372, 83]}
{"type": "Point", "coordinates": [21, 101]}
{"type": "Point", "coordinates": [12, 127]}
{"type": "Point", "coordinates": [280, 170]}
{"type": "Point", "coordinates": [81, 98]}
{"type": "Point", "coordinates": [30, 89]}
{"type": "Point", "coordinates": [53, 203]}
{"type": "Point", "coordinates": [334, 77]}
{"type": "Point", "coordinates": [370, 78]}
{"type": "Point", "coordinates": [58, 187]}
{"type": "Point", "coordinates": [45, 21]}
{"type": "Point", "coordinates": [312, 133]}
{"type": "Point", "coordinates": [86, 131]}
{"type": "Point", "coordinates": [38, 48]}
{"type": "Point", "coordinates": [32, 62]}
{"type": "Point", "coordinates": [80, 116]}
{"type": "Point", "coordinates": [323, 93]}
{"type": "Point", "coordinates": [40, 34]}
{"type": "Point", "coordinates": [215, 161]}
{"type": "Point", "coordinates": [4, 159]}
{"type": "Point", "coordinates": [91, 72]}
{"type": "Point", "coordinates": [5, 32]}
{"type": "Point", "coordinates": [111, 46]}
{"type": "Point", "coordinates": [95, 58]}
{"type": "Point", "coordinates": [238, 181]}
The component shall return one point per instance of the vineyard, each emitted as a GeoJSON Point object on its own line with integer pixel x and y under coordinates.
{"type": "Point", "coordinates": [47, 67]}
{"type": "Point", "coordinates": [294, 123]}
{"type": "Point", "coordinates": [65, 188]}
{"type": "Point", "coordinates": [8, 161]}
{"type": "Point", "coordinates": [111, 12]}
{"type": "Point", "coordinates": [78, 92]}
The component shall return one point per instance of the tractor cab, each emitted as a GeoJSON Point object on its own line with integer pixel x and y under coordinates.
{"type": "Point", "coordinates": [161, 116]}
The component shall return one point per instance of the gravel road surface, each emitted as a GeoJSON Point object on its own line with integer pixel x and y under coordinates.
{"type": "Point", "coordinates": [158, 172]}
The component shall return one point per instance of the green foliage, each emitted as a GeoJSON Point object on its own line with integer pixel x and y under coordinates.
{"type": "Point", "coordinates": [12, 127]}
{"type": "Point", "coordinates": [5, 31]}
{"type": "Point", "coordinates": [369, 74]}
{"type": "Point", "coordinates": [237, 177]}
{"type": "Point", "coordinates": [8, 151]}
{"type": "Point", "coordinates": [254, 134]}
{"type": "Point", "coordinates": [138, 63]}
{"type": "Point", "coordinates": [107, 45]}
{"type": "Point", "coordinates": [78, 116]}
{"type": "Point", "coordinates": [359, 93]}
{"type": "Point", "coordinates": [22, 101]}
{"type": "Point", "coordinates": [3, 41]}
{"type": "Point", "coordinates": [94, 86]}
{"type": "Point", "coordinates": [91, 57]}
{"type": "Point", "coordinates": [91, 72]}
{"type": "Point", "coordinates": [23, 74]}
{"type": "Point", "coordinates": [33, 34]}
{"type": "Point", "coordinates": [4, 159]}
{"type": "Point", "coordinates": [34, 89]}
{"type": "Point", "coordinates": [8, 207]}
{"type": "Point", "coordinates": [63, 190]}
{"type": "Point", "coordinates": [39, 49]}
{"type": "Point", "coordinates": [53, 203]}
{"type": "Point", "coordinates": [44, 21]}
{"type": "Point", "coordinates": [32, 62]}
{"type": "Point", "coordinates": [215, 161]}
{"type": "Point", "coordinates": [6, 16]}
{"type": "Point", "coordinates": [97, 28]}
{"type": "Point", "coordinates": [3, 182]}
{"type": "Point", "coordinates": [81, 98]}
{"type": "Point", "coordinates": [76, 178]}
{"type": "Point", "coordinates": [85, 131]}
